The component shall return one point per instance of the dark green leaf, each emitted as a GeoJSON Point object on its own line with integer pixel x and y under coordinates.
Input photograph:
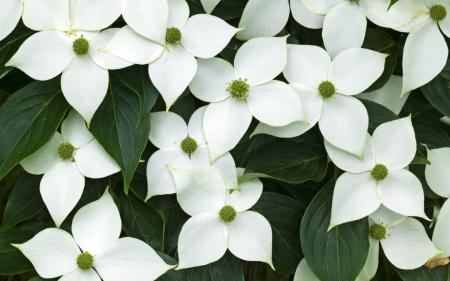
{"type": "Point", "coordinates": [440, 273]}
{"type": "Point", "coordinates": [437, 93]}
{"type": "Point", "coordinates": [11, 259]}
{"type": "Point", "coordinates": [378, 114]}
{"type": "Point", "coordinates": [228, 268]}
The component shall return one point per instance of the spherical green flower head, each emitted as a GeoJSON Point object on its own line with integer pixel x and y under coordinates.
{"type": "Point", "coordinates": [327, 89]}
{"type": "Point", "coordinates": [377, 232]}
{"type": "Point", "coordinates": [438, 12]}
{"type": "Point", "coordinates": [379, 172]}
{"type": "Point", "coordinates": [227, 214]}
{"type": "Point", "coordinates": [85, 261]}
{"type": "Point", "coordinates": [189, 145]}
{"type": "Point", "coordinates": [66, 150]}
{"type": "Point", "coordinates": [354, 1]}
{"type": "Point", "coordinates": [173, 35]}
{"type": "Point", "coordinates": [239, 89]}
{"type": "Point", "coordinates": [80, 46]}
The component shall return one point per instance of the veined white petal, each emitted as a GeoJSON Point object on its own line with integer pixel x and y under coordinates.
{"type": "Point", "coordinates": [406, 15]}
{"type": "Point", "coordinates": [45, 158]}
{"type": "Point", "coordinates": [195, 126]}
{"type": "Point", "coordinates": [320, 7]}
{"type": "Point", "coordinates": [437, 173]}
{"type": "Point", "coordinates": [168, 130]}
{"type": "Point", "coordinates": [10, 13]}
{"type": "Point", "coordinates": [74, 130]}
{"type": "Point", "coordinates": [94, 162]}
{"type": "Point", "coordinates": [100, 53]}
{"type": "Point", "coordinates": [46, 15]}
{"type": "Point", "coordinates": [245, 195]}
{"type": "Point", "coordinates": [93, 15]}
{"type": "Point", "coordinates": [442, 229]}
{"type": "Point", "coordinates": [386, 217]}
{"type": "Point", "coordinates": [81, 275]}
{"type": "Point", "coordinates": [209, 5]}
{"type": "Point", "coordinates": [304, 16]}
{"type": "Point", "coordinates": [178, 13]}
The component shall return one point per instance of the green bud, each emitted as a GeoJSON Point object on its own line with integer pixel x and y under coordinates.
{"type": "Point", "coordinates": [377, 232]}
{"type": "Point", "coordinates": [80, 46]}
{"type": "Point", "coordinates": [85, 261]}
{"type": "Point", "coordinates": [438, 12]}
{"type": "Point", "coordinates": [327, 89]}
{"type": "Point", "coordinates": [239, 89]}
{"type": "Point", "coordinates": [379, 172]}
{"type": "Point", "coordinates": [173, 35]}
{"type": "Point", "coordinates": [227, 214]}
{"type": "Point", "coordinates": [66, 151]}
{"type": "Point", "coordinates": [189, 145]}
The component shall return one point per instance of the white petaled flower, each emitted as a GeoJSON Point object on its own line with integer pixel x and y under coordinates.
{"type": "Point", "coordinates": [236, 94]}
{"type": "Point", "coordinates": [437, 173]}
{"type": "Point", "coordinates": [95, 250]}
{"type": "Point", "coordinates": [10, 14]}
{"type": "Point", "coordinates": [380, 177]}
{"type": "Point", "coordinates": [181, 146]}
{"type": "Point", "coordinates": [161, 34]}
{"type": "Point", "coordinates": [220, 220]}
{"type": "Point", "coordinates": [326, 88]}
{"type": "Point", "coordinates": [65, 160]}
{"type": "Point", "coordinates": [440, 235]}
{"type": "Point", "coordinates": [69, 43]}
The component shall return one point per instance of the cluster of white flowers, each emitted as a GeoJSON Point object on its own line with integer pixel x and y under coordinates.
{"type": "Point", "coordinates": [193, 160]}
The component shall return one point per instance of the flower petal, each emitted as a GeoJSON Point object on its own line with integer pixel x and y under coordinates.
{"type": "Point", "coordinates": [100, 53]}
{"type": "Point", "coordinates": [371, 266]}
{"type": "Point", "coordinates": [43, 63]}
{"type": "Point", "coordinates": [203, 240]}
{"type": "Point", "coordinates": [394, 143]}
{"type": "Point", "coordinates": [304, 273]}
{"type": "Point", "coordinates": [46, 15]}
{"type": "Point", "coordinates": [97, 224]}
{"type": "Point", "coordinates": [437, 173]}
{"type": "Point", "coordinates": [304, 16]}
{"type": "Point", "coordinates": [10, 13]}
{"type": "Point", "coordinates": [229, 118]}
{"type": "Point", "coordinates": [442, 229]}
{"type": "Point", "coordinates": [355, 197]}
{"type": "Point", "coordinates": [45, 158]}
{"type": "Point", "coordinates": [445, 24]}
{"type": "Point", "coordinates": [74, 130]}
{"type": "Point", "coordinates": [168, 130]}
{"type": "Point", "coordinates": [90, 15]}
{"type": "Point", "coordinates": [178, 13]}
{"type": "Point", "coordinates": [130, 259]}
{"type": "Point", "coordinates": [226, 167]}
{"type": "Point", "coordinates": [263, 18]}
{"type": "Point", "coordinates": [250, 237]}
{"type": "Point", "coordinates": [94, 162]}
{"type": "Point", "coordinates": [53, 252]}
{"type": "Point", "coordinates": [81, 275]}
{"type": "Point", "coordinates": [261, 59]}
{"type": "Point", "coordinates": [209, 5]}
{"type": "Point", "coordinates": [344, 123]}
{"type": "Point", "coordinates": [320, 7]}
{"type": "Point", "coordinates": [205, 36]}
{"type": "Point", "coordinates": [172, 73]}
{"type": "Point", "coordinates": [246, 195]}
{"type": "Point", "coordinates": [61, 189]}
{"type": "Point", "coordinates": [195, 126]}
{"type": "Point", "coordinates": [386, 217]}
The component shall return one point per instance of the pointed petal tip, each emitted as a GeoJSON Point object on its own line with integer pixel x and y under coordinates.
{"type": "Point", "coordinates": [16, 245]}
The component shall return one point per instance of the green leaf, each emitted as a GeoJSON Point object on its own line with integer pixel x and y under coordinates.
{"type": "Point", "coordinates": [122, 123]}
{"type": "Point", "coordinates": [440, 273]}
{"type": "Point", "coordinates": [228, 268]}
{"type": "Point", "coordinates": [437, 93]}
{"type": "Point", "coordinates": [9, 46]}
{"type": "Point", "coordinates": [378, 114]}
{"type": "Point", "coordinates": [338, 254]}
{"type": "Point", "coordinates": [29, 119]}
{"type": "Point", "coordinates": [11, 259]}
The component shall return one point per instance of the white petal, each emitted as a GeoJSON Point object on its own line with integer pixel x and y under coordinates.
{"type": "Point", "coordinates": [404, 15]}
{"type": "Point", "coordinates": [205, 36]}
{"type": "Point", "coordinates": [246, 195]}
{"type": "Point", "coordinates": [354, 70]}
{"type": "Point", "coordinates": [84, 86]}
{"type": "Point", "coordinates": [94, 15]}
{"type": "Point", "coordinates": [209, 5]}
{"type": "Point", "coordinates": [45, 158]}
{"type": "Point", "coordinates": [94, 162]}
{"type": "Point", "coordinates": [407, 245]}
{"type": "Point", "coordinates": [250, 237]}
{"type": "Point", "coordinates": [320, 6]}
{"type": "Point", "coordinates": [178, 13]}
{"type": "Point", "coordinates": [445, 25]}
{"type": "Point", "coordinates": [81, 275]}
{"type": "Point", "coordinates": [349, 162]}
{"type": "Point", "coordinates": [344, 123]}
{"type": "Point", "coordinates": [10, 13]}
{"type": "Point", "coordinates": [229, 118]}
{"type": "Point", "coordinates": [226, 167]}
{"type": "Point", "coordinates": [43, 63]}
{"type": "Point", "coordinates": [203, 240]}
{"type": "Point", "coordinates": [167, 130]}
{"type": "Point", "coordinates": [199, 191]}
{"type": "Point", "coordinates": [148, 18]}
{"type": "Point", "coordinates": [97, 224]}
{"type": "Point", "coordinates": [212, 79]}
{"type": "Point", "coordinates": [371, 266]}
{"type": "Point", "coordinates": [355, 197]}
{"type": "Point", "coordinates": [61, 189]}
{"type": "Point", "coordinates": [304, 273]}
{"type": "Point", "coordinates": [394, 143]}
{"type": "Point", "coordinates": [344, 27]}
{"type": "Point", "coordinates": [47, 14]}
{"type": "Point", "coordinates": [53, 252]}
{"type": "Point", "coordinates": [261, 59]}
{"type": "Point", "coordinates": [100, 53]}
{"type": "Point", "coordinates": [263, 18]}
{"type": "Point", "coordinates": [304, 16]}
{"type": "Point", "coordinates": [130, 259]}
{"type": "Point", "coordinates": [442, 229]}
{"type": "Point", "coordinates": [437, 173]}
{"type": "Point", "coordinates": [386, 217]}
{"type": "Point", "coordinates": [424, 56]}
{"type": "Point", "coordinates": [132, 47]}
{"type": "Point", "coordinates": [402, 193]}
{"type": "Point", "coordinates": [172, 73]}
{"type": "Point", "coordinates": [195, 126]}
{"type": "Point", "coordinates": [159, 178]}
{"type": "Point", "coordinates": [376, 11]}
{"type": "Point", "coordinates": [74, 130]}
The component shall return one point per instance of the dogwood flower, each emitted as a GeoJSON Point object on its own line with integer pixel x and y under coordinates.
{"type": "Point", "coordinates": [181, 146]}
{"type": "Point", "coordinates": [380, 177]}
{"type": "Point", "coordinates": [96, 229]}
{"type": "Point", "coordinates": [10, 14]}
{"type": "Point", "coordinates": [65, 160]}
{"type": "Point", "coordinates": [161, 34]}
{"type": "Point", "coordinates": [326, 88]}
{"type": "Point", "coordinates": [440, 235]}
{"type": "Point", "coordinates": [437, 173]}
{"type": "Point", "coordinates": [220, 220]}
{"type": "Point", "coordinates": [238, 93]}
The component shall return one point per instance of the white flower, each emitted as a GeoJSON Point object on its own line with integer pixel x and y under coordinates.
{"type": "Point", "coordinates": [238, 93]}
{"type": "Point", "coordinates": [184, 147]}
{"type": "Point", "coordinates": [70, 44]}
{"type": "Point", "coordinates": [326, 88]}
{"type": "Point", "coordinates": [437, 173]}
{"type": "Point", "coordinates": [441, 231]}
{"type": "Point", "coordinates": [96, 229]}
{"type": "Point", "coordinates": [209, 5]}
{"type": "Point", "coordinates": [380, 177]}
{"type": "Point", "coordinates": [65, 160]}
{"type": "Point", "coordinates": [10, 14]}
{"type": "Point", "coordinates": [220, 220]}
{"type": "Point", "coordinates": [161, 34]}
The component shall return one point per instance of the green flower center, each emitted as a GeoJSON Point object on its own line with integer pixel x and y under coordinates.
{"type": "Point", "coordinates": [354, 1]}
{"type": "Point", "coordinates": [85, 261]}
{"type": "Point", "coordinates": [189, 145]}
{"type": "Point", "coordinates": [327, 89]}
{"type": "Point", "coordinates": [379, 172]}
{"type": "Point", "coordinates": [438, 12]}
{"type": "Point", "coordinates": [173, 35]}
{"type": "Point", "coordinates": [377, 232]}
{"type": "Point", "coordinates": [66, 150]}
{"type": "Point", "coordinates": [80, 46]}
{"type": "Point", "coordinates": [239, 89]}
{"type": "Point", "coordinates": [227, 214]}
